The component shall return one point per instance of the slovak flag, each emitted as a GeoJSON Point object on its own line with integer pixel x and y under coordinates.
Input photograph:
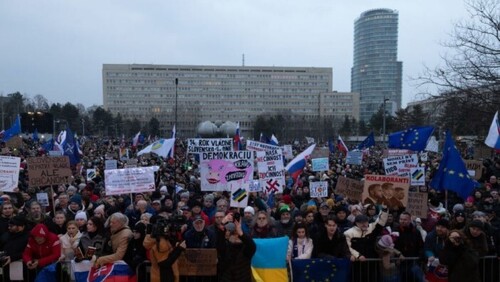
{"type": "Point", "coordinates": [493, 138]}
{"type": "Point", "coordinates": [112, 272]}
{"type": "Point", "coordinates": [236, 139]}
{"type": "Point", "coordinates": [297, 165]}
{"type": "Point", "coordinates": [341, 145]}
{"type": "Point", "coordinates": [135, 140]}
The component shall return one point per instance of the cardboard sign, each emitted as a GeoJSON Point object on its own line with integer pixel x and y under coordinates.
{"type": "Point", "coordinates": [400, 165]}
{"type": "Point", "coordinates": [417, 204]}
{"type": "Point", "coordinates": [288, 152]}
{"type": "Point", "coordinates": [129, 180]}
{"type": "Point", "coordinates": [43, 199]}
{"type": "Point", "coordinates": [271, 170]}
{"type": "Point", "coordinates": [395, 152]}
{"type": "Point", "coordinates": [91, 174]}
{"type": "Point", "coordinates": [475, 168]}
{"type": "Point", "coordinates": [349, 188]}
{"type": "Point", "coordinates": [219, 169]}
{"type": "Point", "coordinates": [202, 145]}
{"type": "Point", "coordinates": [391, 191]}
{"type": "Point", "coordinates": [15, 142]}
{"type": "Point", "coordinates": [239, 195]}
{"type": "Point", "coordinates": [320, 152]}
{"type": "Point", "coordinates": [111, 164]}
{"type": "Point", "coordinates": [320, 164]}
{"type": "Point", "coordinates": [9, 173]}
{"type": "Point", "coordinates": [319, 189]}
{"type": "Point", "coordinates": [354, 157]}
{"type": "Point", "coordinates": [417, 176]}
{"type": "Point", "coordinates": [254, 186]}
{"type": "Point", "coordinates": [259, 146]}
{"type": "Point", "coordinates": [198, 262]}
{"type": "Point", "coordinates": [46, 171]}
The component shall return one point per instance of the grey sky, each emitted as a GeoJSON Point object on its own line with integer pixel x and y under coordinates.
{"type": "Point", "coordinates": [57, 48]}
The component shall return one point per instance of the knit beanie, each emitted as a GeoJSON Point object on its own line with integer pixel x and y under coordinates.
{"type": "Point", "coordinates": [250, 210]}
{"type": "Point", "coordinates": [81, 215]}
{"type": "Point", "coordinates": [386, 242]}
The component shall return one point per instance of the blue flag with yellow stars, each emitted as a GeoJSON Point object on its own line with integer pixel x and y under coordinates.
{"type": "Point", "coordinates": [413, 138]}
{"type": "Point", "coordinates": [333, 270]}
{"type": "Point", "coordinates": [452, 173]}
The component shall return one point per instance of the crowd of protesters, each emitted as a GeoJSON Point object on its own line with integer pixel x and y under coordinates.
{"type": "Point", "coordinates": [82, 218]}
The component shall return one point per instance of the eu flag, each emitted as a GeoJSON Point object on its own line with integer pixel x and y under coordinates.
{"type": "Point", "coordinates": [452, 173]}
{"type": "Point", "coordinates": [368, 142]}
{"type": "Point", "coordinates": [334, 270]}
{"type": "Point", "coordinates": [331, 146]}
{"type": "Point", "coordinates": [14, 130]}
{"type": "Point", "coordinates": [414, 138]}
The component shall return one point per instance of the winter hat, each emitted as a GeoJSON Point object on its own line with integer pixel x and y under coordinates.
{"type": "Point", "coordinates": [209, 197]}
{"type": "Point", "coordinates": [76, 199]}
{"type": "Point", "coordinates": [81, 215]}
{"type": "Point", "coordinates": [184, 195]}
{"type": "Point", "coordinates": [40, 230]}
{"type": "Point", "coordinates": [434, 202]}
{"type": "Point", "coordinates": [287, 199]}
{"type": "Point", "coordinates": [284, 208]}
{"type": "Point", "coordinates": [18, 220]}
{"type": "Point", "coordinates": [140, 228]}
{"type": "Point", "coordinates": [478, 213]}
{"type": "Point", "coordinates": [477, 223]}
{"type": "Point", "coordinates": [470, 199]}
{"type": "Point", "coordinates": [458, 207]}
{"type": "Point", "coordinates": [250, 210]}
{"type": "Point", "coordinates": [444, 222]}
{"type": "Point", "coordinates": [386, 242]}
{"type": "Point", "coordinates": [230, 227]}
{"type": "Point", "coordinates": [164, 189]}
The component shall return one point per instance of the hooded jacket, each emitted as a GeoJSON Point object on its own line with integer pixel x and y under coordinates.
{"type": "Point", "coordinates": [46, 253]}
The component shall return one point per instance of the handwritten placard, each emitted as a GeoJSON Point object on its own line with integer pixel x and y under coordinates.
{"type": "Point", "coordinates": [349, 188]}
{"type": "Point", "coordinates": [46, 171]}
{"type": "Point", "coordinates": [198, 262]}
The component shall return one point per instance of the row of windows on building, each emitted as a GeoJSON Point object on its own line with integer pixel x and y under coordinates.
{"type": "Point", "coordinates": [210, 75]}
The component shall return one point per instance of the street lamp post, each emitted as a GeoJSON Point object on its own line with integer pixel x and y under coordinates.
{"type": "Point", "coordinates": [383, 122]}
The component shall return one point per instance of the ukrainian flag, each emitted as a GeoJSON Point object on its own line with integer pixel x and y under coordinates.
{"type": "Point", "coordinates": [269, 261]}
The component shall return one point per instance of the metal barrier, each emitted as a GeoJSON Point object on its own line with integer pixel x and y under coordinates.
{"type": "Point", "coordinates": [368, 271]}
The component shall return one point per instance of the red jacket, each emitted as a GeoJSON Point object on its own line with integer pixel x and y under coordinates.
{"type": "Point", "coordinates": [46, 253]}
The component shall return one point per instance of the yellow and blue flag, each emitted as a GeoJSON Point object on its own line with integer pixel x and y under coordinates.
{"type": "Point", "coordinates": [269, 260]}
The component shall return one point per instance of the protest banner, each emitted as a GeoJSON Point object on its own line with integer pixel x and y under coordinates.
{"type": "Point", "coordinates": [391, 191]}
{"type": "Point", "coordinates": [239, 195]}
{"type": "Point", "coordinates": [349, 188]}
{"type": "Point", "coordinates": [129, 180]}
{"type": "Point", "coordinates": [15, 142]}
{"type": "Point", "coordinates": [131, 163]}
{"type": "Point", "coordinates": [205, 145]}
{"type": "Point", "coordinates": [9, 173]}
{"type": "Point", "coordinates": [400, 165]}
{"type": "Point", "coordinates": [46, 171]}
{"type": "Point", "coordinates": [417, 176]}
{"type": "Point", "coordinates": [219, 169]}
{"type": "Point", "coordinates": [43, 199]}
{"type": "Point", "coordinates": [475, 168]}
{"type": "Point", "coordinates": [91, 174]}
{"type": "Point", "coordinates": [320, 152]}
{"type": "Point", "coordinates": [354, 157]}
{"type": "Point", "coordinates": [271, 170]}
{"type": "Point", "coordinates": [254, 186]}
{"type": "Point", "coordinates": [259, 146]}
{"type": "Point", "coordinates": [198, 262]}
{"type": "Point", "coordinates": [320, 164]}
{"type": "Point", "coordinates": [288, 152]}
{"type": "Point", "coordinates": [318, 189]}
{"type": "Point", "coordinates": [110, 164]}
{"type": "Point", "coordinates": [55, 153]}
{"type": "Point", "coordinates": [395, 152]}
{"type": "Point", "coordinates": [417, 204]}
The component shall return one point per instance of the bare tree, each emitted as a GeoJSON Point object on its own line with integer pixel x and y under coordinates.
{"type": "Point", "coordinates": [471, 70]}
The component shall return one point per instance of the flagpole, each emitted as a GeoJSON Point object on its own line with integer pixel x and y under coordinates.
{"type": "Point", "coordinates": [173, 148]}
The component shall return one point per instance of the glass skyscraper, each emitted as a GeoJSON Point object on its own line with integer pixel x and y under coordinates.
{"type": "Point", "coordinates": [376, 73]}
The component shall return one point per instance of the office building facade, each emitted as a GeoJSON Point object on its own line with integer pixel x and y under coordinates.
{"type": "Point", "coordinates": [234, 93]}
{"type": "Point", "coordinates": [376, 74]}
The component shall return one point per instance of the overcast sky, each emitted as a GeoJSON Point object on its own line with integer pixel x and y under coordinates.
{"type": "Point", "coordinates": [57, 48]}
